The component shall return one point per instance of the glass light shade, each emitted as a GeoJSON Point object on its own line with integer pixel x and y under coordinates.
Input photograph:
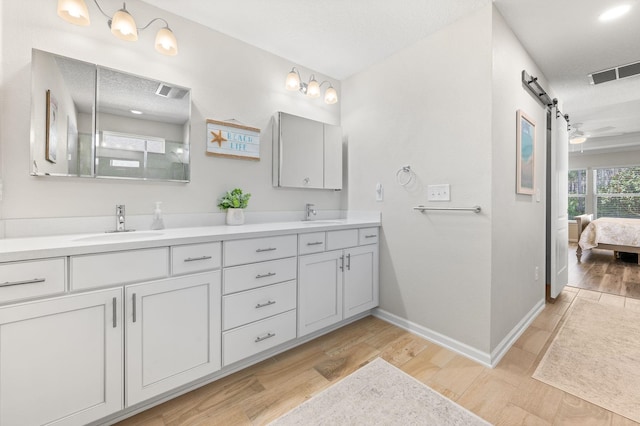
{"type": "Point", "coordinates": [313, 89]}
{"type": "Point", "coordinates": [166, 42]}
{"type": "Point", "coordinates": [123, 26]}
{"type": "Point", "coordinates": [74, 11]}
{"type": "Point", "coordinates": [577, 140]}
{"type": "Point", "coordinates": [293, 81]}
{"type": "Point", "coordinates": [331, 96]}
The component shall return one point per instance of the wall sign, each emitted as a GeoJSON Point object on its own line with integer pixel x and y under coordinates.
{"type": "Point", "coordinates": [229, 139]}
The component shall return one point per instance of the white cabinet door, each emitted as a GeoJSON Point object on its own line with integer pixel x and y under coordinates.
{"type": "Point", "coordinates": [360, 279]}
{"type": "Point", "coordinates": [61, 360]}
{"type": "Point", "coordinates": [173, 333]}
{"type": "Point", "coordinates": [319, 291]}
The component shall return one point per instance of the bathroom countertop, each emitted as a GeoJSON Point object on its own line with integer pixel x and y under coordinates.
{"type": "Point", "coordinates": [16, 249]}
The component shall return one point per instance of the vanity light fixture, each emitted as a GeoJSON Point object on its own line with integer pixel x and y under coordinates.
{"type": "Point", "coordinates": [312, 88]}
{"type": "Point", "coordinates": [122, 24]}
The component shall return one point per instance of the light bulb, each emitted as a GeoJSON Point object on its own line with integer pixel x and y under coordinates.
{"type": "Point", "coordinates": [313, 89]}
{"type": "Point", "coordinates": [123, 26]}
{"type": "Point", "coordinates": [293, 81]}
{"type": "Point", "coordinates": [74, 11]}
{"type": "Point", "coordinates": [330, 96]}
{"type": "Point", "coordinates": [166, 42]}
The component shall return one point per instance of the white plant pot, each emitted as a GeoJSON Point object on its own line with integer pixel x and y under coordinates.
{"type": "Point", "coordinates": [235, 216]}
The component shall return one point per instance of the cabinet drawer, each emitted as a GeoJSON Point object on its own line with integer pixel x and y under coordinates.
{"type": "Point", "coordinates": [195, 258]}
{"type": "Point", "coordinates": [313, 242]}
{"type": "Point", "coordinates": [124, 267]}
{"type": "Point", "coordinates": [259, 249]}
{"type": "Point", "coordinates": [253, 305]}
{"type": "Point", "coordinates": [260, 274]}
{"type": "Point", "coordinates": [21, 280]}
{"type": "Point", "coordinates": [245, 341]}
{"type": "Point", "coordinates": [367, 236]}
{"type": "Point", "coordinates": [342, 239]}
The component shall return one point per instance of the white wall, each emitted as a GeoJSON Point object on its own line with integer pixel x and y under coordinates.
{"type": "Point", "coordinates": [229, 79]}
{"type": "Point", "coordinates": [518, 235]}
{"type": "Point", "coordinates": [428, 106]}
{"type": "Point", "coordinates": [578, 160]}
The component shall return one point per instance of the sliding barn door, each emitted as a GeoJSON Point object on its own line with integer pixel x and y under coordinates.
{"type": "Point", "coordinates": [557, 219]}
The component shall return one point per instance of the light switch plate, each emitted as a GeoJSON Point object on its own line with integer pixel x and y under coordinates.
{"type": "Point", "coordinates": [439, 192]}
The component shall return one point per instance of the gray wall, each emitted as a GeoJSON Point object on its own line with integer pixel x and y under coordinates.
{"type": "Point", "coordinates": [450, 112]}
{"type": "Point", "coordinates": [229, 79]}
{"type": "Point", "coordinates": [428, 106]}
{"type": "Point", "coordinates": [518, 221]}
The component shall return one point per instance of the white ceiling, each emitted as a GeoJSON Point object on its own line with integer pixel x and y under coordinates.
{"type": "Point", "coordinates": [340, 38]}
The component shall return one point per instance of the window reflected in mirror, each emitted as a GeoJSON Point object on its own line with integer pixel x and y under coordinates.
{"type": "Point", "coordinates": [93, 121]}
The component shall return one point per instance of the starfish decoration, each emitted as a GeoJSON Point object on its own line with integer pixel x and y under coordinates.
{"type": "Point", "coordinates": [218, 138]}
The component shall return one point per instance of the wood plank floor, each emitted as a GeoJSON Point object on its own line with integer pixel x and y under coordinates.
{"type": "Point", "coordinates": [600, 271]}
{"type": "Point", "coordinates": [506, 395]}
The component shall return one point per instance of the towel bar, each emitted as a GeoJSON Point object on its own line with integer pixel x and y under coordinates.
{"type": "Point", "coordinates": [475, 209]}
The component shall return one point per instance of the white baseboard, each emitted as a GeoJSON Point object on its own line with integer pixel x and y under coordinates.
{"type": "Point", "coordinates": [483, 358]}
{"type": "Point", "coordinates": [487, 359]}
{"type": "Point", "coordinates": [516, 332]}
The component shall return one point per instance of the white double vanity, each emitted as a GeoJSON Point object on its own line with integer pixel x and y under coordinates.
{"type": "Point", "coordinates": [95, 327]}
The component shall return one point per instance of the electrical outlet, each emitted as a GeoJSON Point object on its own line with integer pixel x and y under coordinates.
{"type": "Point", "coordinates": [536, 273]}
{"type": "Point", "coordinates": [438, 192]}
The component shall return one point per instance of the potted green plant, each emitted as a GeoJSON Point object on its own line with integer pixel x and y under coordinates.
{"type": "Point", "coordinates": [234, 202]}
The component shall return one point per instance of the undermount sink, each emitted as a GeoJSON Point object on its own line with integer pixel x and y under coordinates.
{"type": "Point", "coordinates": [322, 222]}
{"type": "Point", "coordinates": [119, 236]}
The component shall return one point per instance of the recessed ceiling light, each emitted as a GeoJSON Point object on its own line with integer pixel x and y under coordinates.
{"type": "Point", "coordinates": [614, 12]}
{"type": "Point", "coordinates": [135, 111]}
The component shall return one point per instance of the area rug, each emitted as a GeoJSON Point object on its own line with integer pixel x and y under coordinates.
{"type": "Point", "coordinates": [379, 394]}
{"type": "Point", "coordinates": [596, 356]}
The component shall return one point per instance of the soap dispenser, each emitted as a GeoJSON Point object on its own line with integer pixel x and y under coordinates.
{"type": "Point", "coordinates": [157, 223]}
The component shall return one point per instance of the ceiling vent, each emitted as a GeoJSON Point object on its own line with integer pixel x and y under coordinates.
{"type": "Point", "coordinates": [167, 91]}
{"type": "Point", "coordinates": [616, 73]}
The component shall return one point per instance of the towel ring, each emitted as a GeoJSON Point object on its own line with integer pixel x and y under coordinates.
{"type": "Point", "coordinates": [404, 175]}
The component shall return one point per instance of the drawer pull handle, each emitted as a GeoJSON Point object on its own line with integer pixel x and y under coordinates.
{"type": "Point", "coordinates": [349, 262]}
{"type": "Point", "coordinates": [134, 312]}
{"type": "Point", "coordinates": [265, 337]}
{"type": "Point", "coordinates": [262, 305]}
{"type": "Point", "coordinates": [315, 243]}
{"type": "Point", "coordinates": [370, 236]}
{"type": "Point", "coordinates": [342, 262]}
{"type": "Point", "coordinates": [265, 249]}
{"type": "Point", "coordinates": [33, 281]}
{"type": "Point", "coordinates": [270, 274]}
{"type": "Point", "coordinates": [193, 259]}
{"type": "Point", "coordinates": [115, 312]}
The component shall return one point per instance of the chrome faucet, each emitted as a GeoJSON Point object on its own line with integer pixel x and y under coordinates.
{"type": "Point", "coordinates": [309, 211]}
{"type": "Point", "coordinates": [120, 219]}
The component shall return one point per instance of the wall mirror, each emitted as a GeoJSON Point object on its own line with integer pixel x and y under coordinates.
{"type": "Point", "coordinates": [93, 121]}
{"type": "Point", "coordinates": [307, 154]}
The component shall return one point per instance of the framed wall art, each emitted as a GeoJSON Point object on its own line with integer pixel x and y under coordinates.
{"type": "Point", "coordinates": [51, 147]}
{"type": "Point", "coordinates": [231, 139]}
{"type": "Point", "coordinates": [526, 154]}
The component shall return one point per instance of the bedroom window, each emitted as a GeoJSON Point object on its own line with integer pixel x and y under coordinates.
{"type": "Point", "coordinates": [617, 192]}
{"type": "Point", "coordinates": [577, 192]}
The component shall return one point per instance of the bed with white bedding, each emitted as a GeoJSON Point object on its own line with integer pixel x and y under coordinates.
{"type": "Point", "coordinates": [609, 233]}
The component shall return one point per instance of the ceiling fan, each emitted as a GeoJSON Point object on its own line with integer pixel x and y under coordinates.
{"type": "Point", "coordinates": [578, 136]}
